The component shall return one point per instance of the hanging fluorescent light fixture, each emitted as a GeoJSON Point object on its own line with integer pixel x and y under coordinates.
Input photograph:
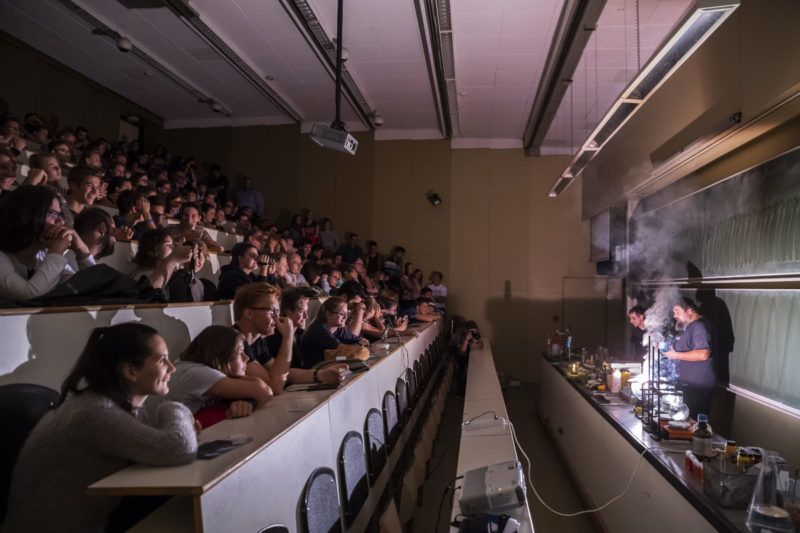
{"type": "Point", "coordinates": [699, 23]}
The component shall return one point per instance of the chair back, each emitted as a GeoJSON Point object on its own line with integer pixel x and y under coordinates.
{"type": "Point", "coordinates": [411, 379]}
{"type": "Point", "coordinates": [375, 437]}
{"type": "Point", "coordinates": [401, 391]}
{"type": "Point", "coordinates": [320, 511]}
{"type": "Point", "coordinates": [352, 475]}
{"type": "Point", "coordinates": [391, 422]}
{"type": "Point", "coordinates": [22, 405]}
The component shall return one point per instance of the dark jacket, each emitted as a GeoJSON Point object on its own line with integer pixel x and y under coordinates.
{"type": "Point", "coordinates": [179, 288]}
{"type": "Point", "coordinates": [232, 277]}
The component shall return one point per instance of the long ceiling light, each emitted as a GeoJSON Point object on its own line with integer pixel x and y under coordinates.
{"type": "Point", "coordinates": [436, 35]}
{"type": "Point", "coordinates": [699, 23]}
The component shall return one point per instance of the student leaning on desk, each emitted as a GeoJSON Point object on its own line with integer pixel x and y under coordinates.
{"type": "Point", "coordinates": [99, 428]}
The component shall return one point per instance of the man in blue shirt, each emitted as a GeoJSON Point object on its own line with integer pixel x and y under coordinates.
{"type": "Point", "coordinates": [694, 352]}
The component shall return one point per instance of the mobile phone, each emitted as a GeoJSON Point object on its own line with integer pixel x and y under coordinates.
{"type": "Point", "coordinates": [215, 448]}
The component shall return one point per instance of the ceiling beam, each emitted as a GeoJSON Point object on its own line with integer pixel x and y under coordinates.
{"type": "Point", "coordinates": [433, 18]}
{"type": "Point", "coordinates": [576, 24]}
{"type": "Point", "coordinates": [308, 23]}
{"type": "Point", "coordinates": [104, 30]}
{"type": "Point", "coordinates": [192, 19]}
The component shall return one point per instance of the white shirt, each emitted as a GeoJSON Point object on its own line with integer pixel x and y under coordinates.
{"type": "Point", "coordinates": [438, 290]}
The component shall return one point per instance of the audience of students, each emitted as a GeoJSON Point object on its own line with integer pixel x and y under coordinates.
{"type": "Point", "coordinates": [51, 226]}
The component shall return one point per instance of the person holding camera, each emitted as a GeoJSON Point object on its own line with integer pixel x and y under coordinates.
{"type": "Point", "coordinates": [190, 229]}
{"type": "Point", "coordinates": [186, 285]}
{"type": "Point", "coordinates": [465, 335]}
{"type": "Point", "coordinates": [246, 266]}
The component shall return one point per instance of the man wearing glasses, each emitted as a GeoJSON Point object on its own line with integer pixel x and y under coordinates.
{"type": "Point", "coordinates": [271, 336]}
{"type": "Point", "coordinates": [328, 336]}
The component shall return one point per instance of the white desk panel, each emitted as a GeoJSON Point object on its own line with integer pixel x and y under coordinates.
{"type": "Point", "coordinates": [269, 490]}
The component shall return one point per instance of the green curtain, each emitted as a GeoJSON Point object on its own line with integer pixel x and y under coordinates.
{"type": "Point", "coordinates": [766, 355]}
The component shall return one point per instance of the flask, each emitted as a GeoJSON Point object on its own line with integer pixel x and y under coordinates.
{"type": "Point", "coordinates": [701, 438]}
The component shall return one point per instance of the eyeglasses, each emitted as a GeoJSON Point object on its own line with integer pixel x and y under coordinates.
{"type": "Point", "coordinates": [52, 213]}
{"type": "Point", "coordinates": [340, 313]}
{"type": "Point", "coordinates": [274, 311]}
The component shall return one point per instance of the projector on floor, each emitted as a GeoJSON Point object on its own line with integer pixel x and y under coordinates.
{"type": "Point", "coordinates": [493, 489]}
{"type": "Point", "coordinates": [334, 139]}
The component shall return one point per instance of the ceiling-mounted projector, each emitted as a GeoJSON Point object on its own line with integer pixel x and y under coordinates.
{"type": "Point", "coordinates": [334, 138]}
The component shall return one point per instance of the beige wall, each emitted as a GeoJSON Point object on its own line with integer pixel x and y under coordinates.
{"type": "Point", "coordinates": [32, 82]}
{"type": "Point", "coordinates": [404, 172]}
{"type": "Point", "coordinates": [510, 248]}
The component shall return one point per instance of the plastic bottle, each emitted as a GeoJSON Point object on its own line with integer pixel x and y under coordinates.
{"type": "Point", "coordinates": [701, 438]}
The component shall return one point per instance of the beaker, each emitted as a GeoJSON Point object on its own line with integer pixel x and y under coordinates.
{"type": "Point", "coordinates": [765, 514]}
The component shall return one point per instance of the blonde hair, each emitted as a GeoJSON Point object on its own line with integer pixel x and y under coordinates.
{"type": "Point", "coordinates": [253, 295]}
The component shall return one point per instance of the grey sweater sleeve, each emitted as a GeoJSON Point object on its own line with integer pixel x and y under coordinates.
{"type": "Point", "coordinates": [47, 275]}
{"type": "Point", "coordinates": [169, 440]}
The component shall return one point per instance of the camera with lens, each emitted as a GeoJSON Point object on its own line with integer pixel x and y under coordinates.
{"type": "Point", "coordinates": [193, 260]}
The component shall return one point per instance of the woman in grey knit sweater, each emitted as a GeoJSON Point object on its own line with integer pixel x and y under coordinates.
{"type": "Point", "coordinates": [98, 429]}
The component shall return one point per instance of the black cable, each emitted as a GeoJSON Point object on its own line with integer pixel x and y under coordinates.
{"type": "Point", "coordinates": [457, 437]}
{"type": "Point", "coordinates": [441, 502]}
{"type": "Point", "coordinates": [442, 456]}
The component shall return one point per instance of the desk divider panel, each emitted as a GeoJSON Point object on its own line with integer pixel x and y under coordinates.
{"type": "Point", "coordinates": [268, 489]}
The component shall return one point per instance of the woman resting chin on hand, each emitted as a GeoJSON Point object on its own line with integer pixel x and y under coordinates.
{"type": "Point", "coordinates": [210, 377]}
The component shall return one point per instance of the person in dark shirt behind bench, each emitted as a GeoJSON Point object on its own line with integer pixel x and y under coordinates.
{"type": "Point", "coordinates": [328, 336]}
{"type": "Point", "coordinates": [694, 352]}
{"type": "Point", "coordinates": [270, 340]}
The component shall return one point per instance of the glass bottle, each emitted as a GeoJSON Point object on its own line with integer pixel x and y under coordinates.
{"type": "Point", "coordinates": [701, 438]}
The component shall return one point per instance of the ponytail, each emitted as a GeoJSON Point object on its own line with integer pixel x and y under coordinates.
{"type": "Point", "coordinates": [99, 367]}
{"type": "Point", "coordinates": [89, 354]}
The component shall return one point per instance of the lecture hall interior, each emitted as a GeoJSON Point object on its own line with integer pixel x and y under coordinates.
{"type": "Point", "coordinates": [400, 266]}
